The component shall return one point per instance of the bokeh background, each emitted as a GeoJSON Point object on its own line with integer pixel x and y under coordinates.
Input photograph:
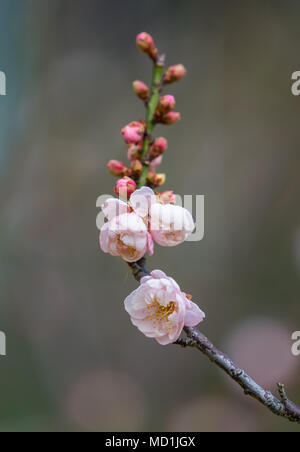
{"type": "Point", "coordinates": [75, 362]}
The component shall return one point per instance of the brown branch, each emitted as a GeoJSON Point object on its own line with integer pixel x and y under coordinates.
{"type": "Point", "coordinates": [281, 407]}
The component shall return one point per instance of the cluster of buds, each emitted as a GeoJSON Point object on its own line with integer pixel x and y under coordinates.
{"type": "Point", "coordinates": [164, 112]}
{"type": "Point", "coordinates": [144, 152]}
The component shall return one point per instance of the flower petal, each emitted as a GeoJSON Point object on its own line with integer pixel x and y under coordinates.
{"type": "Point", "coordinates": [193, 314]}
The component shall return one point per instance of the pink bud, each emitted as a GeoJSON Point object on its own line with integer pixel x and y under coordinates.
{"type": "Point", "coordinates": [155, 163]}
{"type": "Point", "coordinates": [174, 73]}
{"type": "Point", "coordinates": [125, 187]}
{"type": "Point", "coordinates": [134, 152]}
{"type": "Point", "coordinates": [166, 197]}
{"type": "Point", "coordinates": [156, 179]}
{"type": "Point", "coordinates": [146, 44]}
{"type": "Point", "coordinates": [159, 146]}
{"type": "Point", "coordinates": [117, 168]}
{"type": "Point", "coordinates": [136, 167]}
{"type": "Point", "coordinates": [141, 89]}
{"type": "Point", "coordinates": [166, 104]}
{"type": "Point", "coordinates": [133, 132]}
{"type": "Point", "coordinates": [170, 118]}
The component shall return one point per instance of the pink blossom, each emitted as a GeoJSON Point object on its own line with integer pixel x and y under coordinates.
{"type": "Point", "coordinates": [114, 207]}
{"type": "Point", "coordinates": [133, 132]}
{"type": "Point", "coordinates": [126, 236]}
{"type": "Point", "coordinates": [170, 225]}
{"type": "Point", "coordinates": [141, 201]}
{"type": "Point", "coordinates": [160, 310]}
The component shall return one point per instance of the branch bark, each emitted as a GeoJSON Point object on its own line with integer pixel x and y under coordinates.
{"type": "Point", "coordinates": [280, 406]}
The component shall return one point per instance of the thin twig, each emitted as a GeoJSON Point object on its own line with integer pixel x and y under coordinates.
{"type": "Point", "coordinates": [283, 407]}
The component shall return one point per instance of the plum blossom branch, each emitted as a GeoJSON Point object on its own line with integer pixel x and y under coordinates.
{"type": "Point", "coordinates": [281, 407]}
{"type": "Point", "coordinates": [159, 308]}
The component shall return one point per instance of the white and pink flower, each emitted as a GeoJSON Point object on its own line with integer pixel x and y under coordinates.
{"type": "Point", "coordinates": [170, 225]}
{"type": "Point", "coordinates": [132, 226]}
{"type": "Point", "coordinates": [126, 236]}
{"type": "Point", "coordinates": [160, 310]}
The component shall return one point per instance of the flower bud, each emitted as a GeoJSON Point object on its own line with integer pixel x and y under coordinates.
{"type": "Point", "coordinates": [166, 104]}
{"type": "Point", "coordinates": [133, 132]}
{"type": "Point", "coordinates": [155, 163]}
{"type": "Point", "coordinates": [146, 44]}
{"type": "Point", "coordinates": [160, 179]}
{"type": "Point", "coordinates": [136, 167]}
{"type": "Point", "coordinates": [125, 187]}
{"type": "Point", "coordinates": [141, 89]}
{"type": "Point", "coordinates": [156, 179]}
{"type": "Point", "coordinates": [174, 73]}
{"type": "Point", "coordinates": [118, 169]}
{"type": "Point", "coordinates": [170, 118]}
{"type": "Point", "coordinates": [159, 146]}
{"type": "Point", "coordinates": [166, 197]}
{"type": "Point", "coordinates": [134, 152]}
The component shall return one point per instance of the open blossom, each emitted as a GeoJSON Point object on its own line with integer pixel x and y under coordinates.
{"type": "Point", "coordinates": [160, 310]}
{"type": "Point", "coordinates": [126, 236]}
{"type": "Point", "coordinates": [134, 225]}
{"type": "Point", "coordinates": [126, 232]}
{"type": "Point", "coordinates": [133, 132]}
{"type": "Point", "coordinates": [170, 225]}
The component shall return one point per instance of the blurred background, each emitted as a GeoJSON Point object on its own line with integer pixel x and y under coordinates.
{"type": "Point", "coordinates": [74, 361]}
